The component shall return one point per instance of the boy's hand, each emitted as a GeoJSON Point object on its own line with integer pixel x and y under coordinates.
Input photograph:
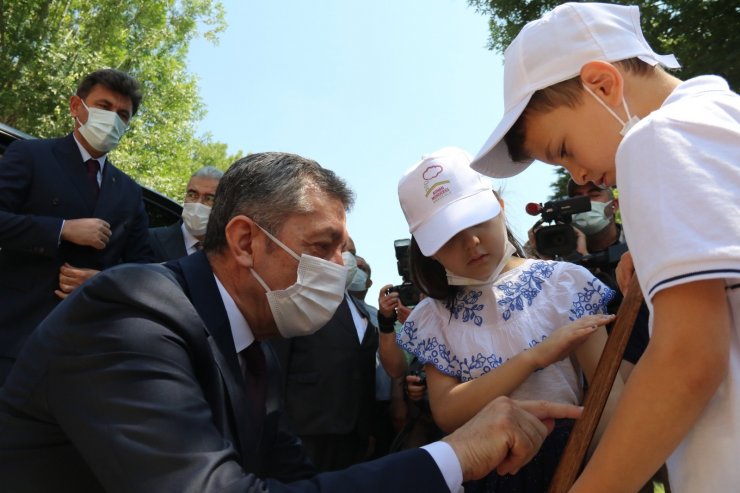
{"type": "Point", "coordinates": [567, 338]}
{"type": "Point", "coordinates": [624, 271]}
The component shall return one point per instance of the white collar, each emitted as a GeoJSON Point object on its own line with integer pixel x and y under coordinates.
{"type": "Point", "coordinates": [188, 238]}
{"type": "Point", "coordinates": [86, 155]}
{"type": "Point", "coordinates": [240, 331]}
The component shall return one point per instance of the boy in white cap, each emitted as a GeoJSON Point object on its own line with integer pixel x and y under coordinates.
{"type": "Point", "coordinates": [584, 90]}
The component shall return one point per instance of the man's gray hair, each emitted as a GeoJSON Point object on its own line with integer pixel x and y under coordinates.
{"type": "Point", "coordinates": [269, 187]}
{"type": "Point", "coordinates": [208, 172]}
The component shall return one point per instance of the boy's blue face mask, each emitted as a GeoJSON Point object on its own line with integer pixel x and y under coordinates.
{"type": "Point", "coordinates": [626, 125]}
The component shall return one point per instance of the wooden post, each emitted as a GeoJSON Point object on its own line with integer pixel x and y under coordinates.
{"type": "Point", "coordinates": [598, 391]}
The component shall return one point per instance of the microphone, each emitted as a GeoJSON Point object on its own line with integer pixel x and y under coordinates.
{"type": "Point", "coordinates": [533, 208]}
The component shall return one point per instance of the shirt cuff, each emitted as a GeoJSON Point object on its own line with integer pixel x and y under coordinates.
{"type": "Point", "coordinates": [59, 238]}
{"type": "Point", "coordinates": [448, 464]}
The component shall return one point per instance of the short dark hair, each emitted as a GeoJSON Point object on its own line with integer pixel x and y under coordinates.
{"type": "Point", "coordinates": [269, 187]}
{"type": "Point", "coordinates": [116, 81]}
{"type": "Point", "coordinates": [566, 93]}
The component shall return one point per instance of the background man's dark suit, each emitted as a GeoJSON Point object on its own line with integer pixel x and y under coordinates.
{"type": "Point", "coordinates": [144, 393]}
{"type": "Point", "coordinates": [43, 182]}
{"type": "Point", "coordinates": [330, 388]}
{"type": "Point", "coordinates": [167, 242]}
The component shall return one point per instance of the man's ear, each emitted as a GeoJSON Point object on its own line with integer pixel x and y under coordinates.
{"type": "Point", "coordinates": [74, 106]}
{"type": "Point", "coordinates": [605, 81]}
{"type": "Point", "coordinates": [240, 237]}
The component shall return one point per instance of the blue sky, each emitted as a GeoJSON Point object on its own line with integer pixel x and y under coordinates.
{"type": "Point", "coordinates": [364, 88]}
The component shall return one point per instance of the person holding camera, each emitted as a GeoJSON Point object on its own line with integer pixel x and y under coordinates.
{"type": "Point", "coordinates": [494, 323]}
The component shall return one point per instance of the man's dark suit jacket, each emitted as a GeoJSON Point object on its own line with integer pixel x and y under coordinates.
{"type": "Point", "coordinates": [167, 242]}
{"type": "Point", "coordinates": [133, 384]}
{"type": "Point", "coordinates": [330, 377]}
{"type": "Point", "coordinates": [43, 182]}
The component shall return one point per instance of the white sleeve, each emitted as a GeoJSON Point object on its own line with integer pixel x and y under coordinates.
{"type": "Point", "coordinates": [679, 184]}
{"type": "Point", "coordinates": [448, 464]}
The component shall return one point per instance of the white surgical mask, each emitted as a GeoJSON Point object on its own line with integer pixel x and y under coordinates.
{"type": "Point", "coordinates": [359, 282]}
{"type": "Point", "coordinates": [195, 216]}
{"type": "Point", "coordinates": [103, 129]}
{"type": "Point", "coordinates": [307, 305]}
{"type": "Point", "coordinates": [593, 221]}
{"type": "Point", "coordinates": [626, 125]}
{"type": "Point", "coordinates": [350, 262]}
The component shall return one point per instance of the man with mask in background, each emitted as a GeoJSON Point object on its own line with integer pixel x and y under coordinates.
{"type": "Point", "coordinates": [152, 377]}
{"type": "Point", "coordinates": [186, 236]}
{"type": "Point", "coordinates": [66, 212]}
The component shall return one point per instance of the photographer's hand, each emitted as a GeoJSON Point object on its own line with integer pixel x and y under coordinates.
{"type": "Point", "coordinates": [388, 301]}
{"type": "Point", "coordinates": [565, 339]}
{"type": "Point", "coordinates": [580, 241]}
{"type": "Point", "coordinates": [415, 388]}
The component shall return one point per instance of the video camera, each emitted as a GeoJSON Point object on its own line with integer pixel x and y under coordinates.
{"type": "Point", "coordinates": [559, 239]}
{"type": "Point", "coordinates": [407, 292]}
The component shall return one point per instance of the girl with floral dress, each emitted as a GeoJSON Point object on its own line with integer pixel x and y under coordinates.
{"type": "Point", "coordinates": [493, 323]}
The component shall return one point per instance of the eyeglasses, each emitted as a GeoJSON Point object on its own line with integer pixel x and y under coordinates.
{"type": "Point", "coordinates": [205, 199]}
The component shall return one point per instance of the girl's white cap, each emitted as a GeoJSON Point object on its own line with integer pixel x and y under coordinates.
{"type": "Point", "coordinates": [441, 195]}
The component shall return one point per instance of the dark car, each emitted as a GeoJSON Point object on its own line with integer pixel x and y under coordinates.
{"type": "Point", "coordinates": [162, 211]}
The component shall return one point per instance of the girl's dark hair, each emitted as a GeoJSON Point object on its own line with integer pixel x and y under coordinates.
{"type": "Point", "coordinates": [430, 276]}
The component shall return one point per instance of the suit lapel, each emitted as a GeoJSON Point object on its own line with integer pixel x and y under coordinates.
{"type": "Point", "coordinates": [109, 185]}
{"type": "Point", "coordinates": [70, 161]}
{"type": "Point", "coordinates": [173, 241]}
{"type": "Point", "coordinates": [207, 301]}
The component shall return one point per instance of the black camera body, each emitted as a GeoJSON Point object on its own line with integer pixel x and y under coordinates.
{"type": "Point", "coordinates": [559, 239]}
{"type": "Point", "coordinates": [407, 292]}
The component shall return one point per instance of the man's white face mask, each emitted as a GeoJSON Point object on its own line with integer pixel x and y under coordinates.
{"type": "Point", "coordinates": [307, 305]}
{"type": "Point", "coordinates": [195, 217]}
{"type": "Point", "coordinates": [103, 129]}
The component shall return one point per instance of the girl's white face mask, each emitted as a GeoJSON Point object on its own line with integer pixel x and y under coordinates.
{"type": "Point", "coordinates": [310, 303]}
{"type": "Point", "coordinates": [626, 125]}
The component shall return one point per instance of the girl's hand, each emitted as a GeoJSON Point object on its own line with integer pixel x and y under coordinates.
{"type": "Point", "coordinates": [564, 340]}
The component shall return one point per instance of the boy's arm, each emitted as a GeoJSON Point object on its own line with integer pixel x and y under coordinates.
{"type": "Point", "coordinates": [684, 364]}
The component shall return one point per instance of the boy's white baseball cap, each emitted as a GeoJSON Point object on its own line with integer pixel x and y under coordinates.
{"type": "Point", "coordinates": [441, 195]}
{"type": "Point", "coordinates": [553, 49]}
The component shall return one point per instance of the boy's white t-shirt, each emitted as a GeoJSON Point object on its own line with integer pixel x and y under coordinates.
{"type": "Point", "coordinates": [678, 174]}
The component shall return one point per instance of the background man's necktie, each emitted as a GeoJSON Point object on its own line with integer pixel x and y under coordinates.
{"type": "Point", "coordinates": [93, 166]}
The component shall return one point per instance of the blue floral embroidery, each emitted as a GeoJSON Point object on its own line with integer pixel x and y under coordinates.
{"type": "Point", "coordinates": [526, 287]}
{"type": "Point", "coordinates": [431, 351]}
{"type": "Point", "coordinates": [467, 303]}
{"type": "Point", "coordinates": [593, 299]}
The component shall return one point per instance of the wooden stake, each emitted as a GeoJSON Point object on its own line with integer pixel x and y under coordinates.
{"type": "Point", "coordinates": [598, 391]}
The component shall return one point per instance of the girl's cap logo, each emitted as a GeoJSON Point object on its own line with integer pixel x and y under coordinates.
{"type": "Point", "coordinates": [430, 173]}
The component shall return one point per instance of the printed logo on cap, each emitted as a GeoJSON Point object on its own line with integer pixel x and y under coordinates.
{"type": "Point", "coordinates": [437, 189]}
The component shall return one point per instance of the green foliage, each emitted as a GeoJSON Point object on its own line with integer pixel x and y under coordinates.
{"type": "Point", "coordinates": [703, 35]}
{"type": "Point", "coordinates": [48, 46]}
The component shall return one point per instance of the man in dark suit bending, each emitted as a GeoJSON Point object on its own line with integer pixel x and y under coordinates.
{"type": "Point", "coordinates": [66, 212]}
{"type": "Point", "coordinates": [148, 378]}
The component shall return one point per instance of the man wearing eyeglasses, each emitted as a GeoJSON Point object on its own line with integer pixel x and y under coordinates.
{"type": "Point", "coordinates": [185, 237]}
{"type": "Point", "coordinates": [66, 212]}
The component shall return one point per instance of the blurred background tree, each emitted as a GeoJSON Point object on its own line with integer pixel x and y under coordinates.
{"type": "Point", "coordinates": [48, 46]}
{"type": "Point", "coordinates": [703, 34]}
